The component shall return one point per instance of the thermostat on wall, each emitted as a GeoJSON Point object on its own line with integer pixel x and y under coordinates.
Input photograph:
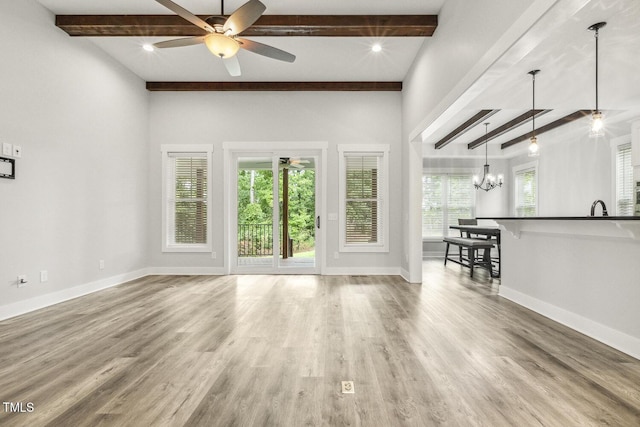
{"type": "Point", "coordinates": [7, 168]}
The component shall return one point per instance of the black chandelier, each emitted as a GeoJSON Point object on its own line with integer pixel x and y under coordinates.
{"type": "Point", "coordinates": [488, 182]}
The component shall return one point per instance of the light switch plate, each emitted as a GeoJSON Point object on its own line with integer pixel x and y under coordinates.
{"type": "Point", "coordinates": [7, 149]}
{"type": "Point", "coordinates": [332, 217]}
{"type": "Point", "coordinates": [17, 151]}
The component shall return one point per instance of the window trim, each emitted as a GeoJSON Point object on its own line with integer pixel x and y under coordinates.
{"type": "Point", "coordinates": [381, 150]}
{"type": "Point", "coordinates": [515, 171]}
{"type": "Point", "coordinates": [166, 150]}
{"type": "Point", "coordinates": [616, 146]}
{"type": "Point", "coordinates": [448, 172]}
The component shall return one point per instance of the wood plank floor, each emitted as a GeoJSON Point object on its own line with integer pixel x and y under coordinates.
{"type": "Point", "coordinates": [272, 351]}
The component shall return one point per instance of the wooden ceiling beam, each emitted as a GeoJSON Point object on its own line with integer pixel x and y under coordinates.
{"type": "Point", "coordinates": [473, 121]}
{"type": "Point", "coordinates": [510, 125]}
{"type": "Point", "coordinates": [274, 86]}
{"type": "Point", "coordinates": [266, 25]}
{"type": "Point", "coordinates": [546, 128]}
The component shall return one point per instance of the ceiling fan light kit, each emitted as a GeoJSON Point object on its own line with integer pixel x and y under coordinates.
{"type": "Point", "coordinates": [222, 46]}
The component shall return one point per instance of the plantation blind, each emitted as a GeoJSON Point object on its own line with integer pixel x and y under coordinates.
{"type": "Point", "coordinates": [445, 199]}
{"type": "Point", "coordinates": [624, 180]}
{"type": "Point", "coordinates": [460, 200]}
{"type": "Point", "coordinates": [188, 203]}
{"type": "Point", "coordinates": [363, 202]}
{"type": "Point", "coordinates": [526, 193]}
{"type": "Point", "coordinates": [432, 206]}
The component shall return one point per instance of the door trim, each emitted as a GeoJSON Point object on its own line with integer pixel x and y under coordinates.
{"type": "Point", "coordinates": [312, 148]}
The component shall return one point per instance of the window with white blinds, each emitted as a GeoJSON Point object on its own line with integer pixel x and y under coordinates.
{"type": "Point", "coordinates": [364, 224]}
{"type": "Point", "coordinates": [445, 199]}
{"type": "Point", "coordinates": [526, 191]}
{"type": "Point", "coordinates": [624, 180]}
{"type": "Point", "coordinates": [186, 200]}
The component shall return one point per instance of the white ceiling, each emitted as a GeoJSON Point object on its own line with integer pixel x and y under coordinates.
{"type": "Point", "coordinates": [559, 45]}
{"type": "Point", "coordinates": [564, 50]}
{"type": "Point", "coordinates": [318, 58]}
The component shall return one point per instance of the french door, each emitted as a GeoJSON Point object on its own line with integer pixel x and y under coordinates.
{"type": "Point", "coordinates": [275, 215]}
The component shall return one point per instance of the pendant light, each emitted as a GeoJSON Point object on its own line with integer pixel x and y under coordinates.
{"type": "Point", "coordinates": [597, 123]}
{"type": "Point", "coordinates": [488, 180]}
{"type": "Point", "coordinates": [534, 149]}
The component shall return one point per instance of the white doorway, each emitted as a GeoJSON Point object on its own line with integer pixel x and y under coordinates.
{"type": "Point", "coordinates": [275, 202]}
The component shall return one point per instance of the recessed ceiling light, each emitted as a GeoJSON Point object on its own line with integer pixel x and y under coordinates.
{"type": "Point", "coordinates": [148, 47]}
{"type": "Point", "coordinates": [376, 47]}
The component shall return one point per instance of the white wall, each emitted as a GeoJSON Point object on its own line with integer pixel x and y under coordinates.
{"type": "Point", "coordinates": [218, 117]}
{"type": "Point", "coordinates": [583, 274]}
{"type": "Point", "coordinates": [469, 38]}
{"type": "Point", "coordinates": [80, 191]}
{"type": "Point", "coordinates": [460, 51]}
{"type": "Point", "coordinates": [572, 174]}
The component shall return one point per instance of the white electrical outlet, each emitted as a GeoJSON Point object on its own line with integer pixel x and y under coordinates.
{"type": "Point", "coordinates": [336, 255]}
{"type": "Point", "coordinates": [44, 276]}
{"type": "Point", "coordinates": [7, 149]}
{"type": "Point", "coordinates": [347, 387]}
{"type": "Point", "coordinates": [214, 255]}
{"type": "Point", "coordinates": [17, 151]}
{"type": "Point", "coordinates": [101, 264]}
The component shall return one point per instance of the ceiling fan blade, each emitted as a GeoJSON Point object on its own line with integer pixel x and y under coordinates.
{"type": "Point", "coordinates": [189, 41]}
{"type": "Point", "coordinates": [232, 65]}
{"type": "Point", "coordinates": [266, 50]}
{"type": "Point", "coordinates": [184, 13]}
{"type": "Point", "coordinates": [244, 17]}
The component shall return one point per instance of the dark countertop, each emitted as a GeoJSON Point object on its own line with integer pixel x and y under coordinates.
{"type": "Point", "coordinates": [566, 218]}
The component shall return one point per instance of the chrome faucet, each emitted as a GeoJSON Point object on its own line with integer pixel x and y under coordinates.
{"type": "Point", "coordinates": [604, 208]}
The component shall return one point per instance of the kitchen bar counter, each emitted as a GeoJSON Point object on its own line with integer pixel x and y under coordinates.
{"type": "Point", "coordinates": [583, 272]}
{"type": "Point", "coordinates": [596, 226]}
{"type": "Point", "coordinates": [566, 218]}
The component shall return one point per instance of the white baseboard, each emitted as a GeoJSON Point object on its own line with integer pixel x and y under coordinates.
{"type": "Point", "coordinates": [619, 340]}
{"type": "Point", "coordinates": [405, 275]}
{"type": "Point", "coordinates": [362, 271]}
{"type": "Point", "coordinates": [187, 271]}
{"type": "Point", "coordinates": [42, 301]}
{"type": "Point", "coordinates": [432, 254]}
{"type": "Point", "coordinates": [25, 306]}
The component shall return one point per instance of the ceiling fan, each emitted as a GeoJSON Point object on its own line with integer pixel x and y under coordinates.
{"type": "Point", "coordinates": [222, 38]}
{"type": "Point", "coordinates": [295, 163]}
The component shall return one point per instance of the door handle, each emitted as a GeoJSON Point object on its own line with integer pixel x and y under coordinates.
{"type": "Point", "coordinates": [318, 221]}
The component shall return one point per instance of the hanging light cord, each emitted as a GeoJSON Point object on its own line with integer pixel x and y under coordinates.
{"type": "Point", "coordinates": [597, 31]}
{"type": "Point", "coordinates": [486, 144]}
{"type": "Point", "coordinates": [533, 105]}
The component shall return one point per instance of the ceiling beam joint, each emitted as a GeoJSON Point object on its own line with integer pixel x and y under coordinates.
{"type": "Point", "coordinates": [546, 128]}
{"type": "Point", "coordinates": [460, 130]}
{"type": "Point", "coordinates": [510, 125]}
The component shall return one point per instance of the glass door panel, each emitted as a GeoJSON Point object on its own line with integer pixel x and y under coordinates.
{"type": "Point", "coordinates": [297, 216]}
{"type": "Point", "coordinates": [255, 239]}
